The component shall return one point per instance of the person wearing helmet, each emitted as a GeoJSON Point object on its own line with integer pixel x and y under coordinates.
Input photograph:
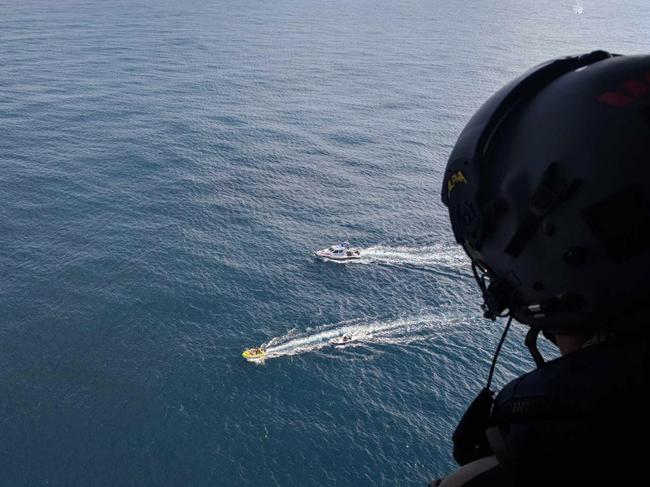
{"type": "Point", "coordinates": [548, 192]}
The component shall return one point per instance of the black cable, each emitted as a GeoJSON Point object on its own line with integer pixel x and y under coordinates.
{"type": "Point", "coordinates": [479, 280]}
{"type": "Point", "coordinates": [496, 354]}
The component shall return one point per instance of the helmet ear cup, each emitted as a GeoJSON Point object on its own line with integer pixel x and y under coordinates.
{"type": "Point", "coordinates": [460, 195]}
{"type": "Point", "coordinates": [471, 214]}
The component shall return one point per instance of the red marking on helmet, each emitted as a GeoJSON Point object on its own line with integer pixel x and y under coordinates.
{"type": "Point", "coordinates": [635, 87]}
{"type": "Point", "coordinates": [615, 99]}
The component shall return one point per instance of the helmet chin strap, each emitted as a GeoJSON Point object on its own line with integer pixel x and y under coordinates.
{"type": "Point", "coordinates": [497, 296]}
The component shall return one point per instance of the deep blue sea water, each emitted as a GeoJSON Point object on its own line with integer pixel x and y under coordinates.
{"type": "Point", "coordinates": [166, 168]}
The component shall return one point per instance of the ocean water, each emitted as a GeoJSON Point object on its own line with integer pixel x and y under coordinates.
{"type": "Point", "coordinates": [166, 170]}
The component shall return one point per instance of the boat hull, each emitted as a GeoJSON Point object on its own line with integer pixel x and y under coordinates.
{"type": "Point", "coordinates": [253, 356]}
{"type": "Point", "coordinates": [326, 255]}
{"type": "Point", "coordinates": [340, 342]}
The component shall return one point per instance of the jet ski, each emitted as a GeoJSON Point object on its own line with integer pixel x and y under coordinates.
{"type": "Point", "coordinates": [257, 354]}
{"type": "Point", "coordinates": [342, 340]}
{"type": "Point", "coordinates": [341, 251]}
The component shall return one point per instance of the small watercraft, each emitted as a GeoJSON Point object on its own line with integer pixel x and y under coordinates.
{"type": "Point", "coordinates": [342, 340]}
{"type": "Point", "coordinates": [340, 251]}
{"type": "Point", "coordinates": [257, 354]}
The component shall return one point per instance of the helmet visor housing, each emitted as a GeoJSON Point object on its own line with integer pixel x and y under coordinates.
{"type": "Point", "coordinates": [548, 191]}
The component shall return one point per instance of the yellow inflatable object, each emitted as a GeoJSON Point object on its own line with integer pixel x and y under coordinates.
{"type": "Point", "coordinates": [254, 353]}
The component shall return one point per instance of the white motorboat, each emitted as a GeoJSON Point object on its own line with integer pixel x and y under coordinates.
{"type": "Point", "coordinates": [340, 251]}
{"type": "Point", "coordinates": [342, 340]}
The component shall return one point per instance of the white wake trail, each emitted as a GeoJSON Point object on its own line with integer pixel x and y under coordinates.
{"type": "Point", "coordinates": [397, 331]}
{"type": "Point", "coordinates": [425, 257]}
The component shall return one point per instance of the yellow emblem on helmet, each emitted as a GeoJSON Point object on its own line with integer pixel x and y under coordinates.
{"type": "Point", "coordinates": [454, 179]}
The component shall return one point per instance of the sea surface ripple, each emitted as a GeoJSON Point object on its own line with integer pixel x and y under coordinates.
{"type": "Point", "coordinates": [166, 170]}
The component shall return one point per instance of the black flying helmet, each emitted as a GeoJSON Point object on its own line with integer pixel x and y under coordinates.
{"type": "Point", "coordinates": [548, 191]}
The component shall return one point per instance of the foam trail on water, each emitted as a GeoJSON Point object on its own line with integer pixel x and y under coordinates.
{"type": "Point", "coordinates": [427, 257]}
{"type": "Point", "coordinates": [396, 331]}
